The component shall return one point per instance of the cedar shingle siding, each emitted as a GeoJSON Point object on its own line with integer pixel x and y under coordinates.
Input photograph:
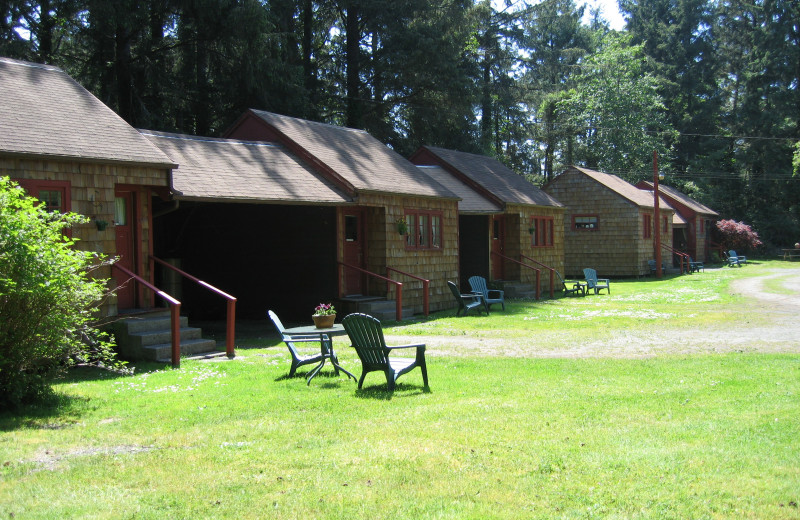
{"type": "Point", "coordinates": [54, 130]}
{"type": "Point", "coordinates": [617, 247]}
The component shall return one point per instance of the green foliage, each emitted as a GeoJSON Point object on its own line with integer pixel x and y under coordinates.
{"type": "Point", "coordinates": [616, 107]}
{"type": "Point", "coordinates": [46, 295]}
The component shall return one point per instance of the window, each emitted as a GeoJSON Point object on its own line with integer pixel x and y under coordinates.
{"type": "Point", "coordinates": [584, 222]}
{"type": "Point", "coordinates": [424, 230]}
{"type": "Point", "coordinates": [648, 226]}
{"type": "Point", "coordinates": [666, 224]}
{"type": "Point", "coordinates": [53, 194]}
{"type": "Point", "coordinates": [541, 231]}
{"type": "Point", "coordinates": [700, 227]}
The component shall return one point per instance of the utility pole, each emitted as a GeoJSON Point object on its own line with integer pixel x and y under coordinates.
{"type": "Point", "coordinates": [656, 217]}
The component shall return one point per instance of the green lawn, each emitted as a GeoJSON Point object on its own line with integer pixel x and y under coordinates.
{"type": "Point", "coordinates": [674, 436]}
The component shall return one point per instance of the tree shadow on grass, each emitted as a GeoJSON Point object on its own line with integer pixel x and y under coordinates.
{"type": "Point", "coordinates": [56, 410]}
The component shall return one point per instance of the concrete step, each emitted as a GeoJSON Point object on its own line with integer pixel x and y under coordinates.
{"type": "Point", "coordinates": [155, 323]}
{"type": "Point", "coordinates": [192, 347]}
{"type": "Point", "coordinates": [154, 337]}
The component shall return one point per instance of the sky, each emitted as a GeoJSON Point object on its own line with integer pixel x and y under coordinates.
{"type": "Point", "coordinates": [609, 10]}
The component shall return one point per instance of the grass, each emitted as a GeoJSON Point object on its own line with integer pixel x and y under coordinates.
{"type": "Point", "coordinates": [701, 436]}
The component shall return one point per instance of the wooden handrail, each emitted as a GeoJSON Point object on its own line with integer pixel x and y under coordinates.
{"type": "Point", "coordinates": [399, 286]}
{"type": "Point", "coordinates": [681, 255]}
{"type": "Point", "coordinates": [174, 310]}
{"type": "Point", "coordinates": [425, 287]}
{"type": "Point", "coordinates": [230, 330]}
{"type": "Point", "coordinates": [551, 269]}
{"type": "Point", "coordinates": [538, 271]}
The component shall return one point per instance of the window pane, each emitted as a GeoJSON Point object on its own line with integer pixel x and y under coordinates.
{"type": "Point", "coordinates": [411, 236]}
{"type": "Point", "coordinates": [120, 212]}
{"type": "Point", "coordinates": [436, 231]}
{"type": "Point", "coordinates": [51, 199]}
{"type": "Point", "coordinates": [424, 238]}
{"type": "Point", "coordinates": [534, 234]}
{"type": "Point", "coordinates": [585, 222]}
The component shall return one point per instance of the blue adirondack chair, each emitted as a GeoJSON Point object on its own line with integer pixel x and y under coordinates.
{"type": "Point", "coordinates": [299, 360]}
{"type": "Point", "coordinates": [734, 259]}
{"type": "Point", "coordinates": [490, 296]}
{"type": "Point", "coordinates": [366, 336]}
{"type": "Point", "coordinates": [594, 282]}
{"type": "Point", "coordinates": [466, 302]}
{"type": "Point", "coordinates": [695, 267]}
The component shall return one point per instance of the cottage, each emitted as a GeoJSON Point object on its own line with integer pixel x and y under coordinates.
{"type": "Point", "coordinates": [508, 228]}
{"type": "Point", "coordinates": [71, 151]}
{"type": "Point", "coordinates": [609, 223]}
{"type": "Point", "coordinates": [693, 234]}
{"type": "Point", "coordinates": [396, 223]}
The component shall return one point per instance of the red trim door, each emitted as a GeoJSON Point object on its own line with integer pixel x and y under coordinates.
{"type": "Point", "coordinates": [353, 248]}
{"type": "Point", "coordinates": [498, 246]}
{"type": "Point", "coordinates": [124, 227]}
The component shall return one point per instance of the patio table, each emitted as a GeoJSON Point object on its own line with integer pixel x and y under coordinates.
{"type": "Point", "coordinates": [327, 353]}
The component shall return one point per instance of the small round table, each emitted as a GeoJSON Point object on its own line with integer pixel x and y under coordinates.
{"type": "Point", "coordinates": [327, 353]}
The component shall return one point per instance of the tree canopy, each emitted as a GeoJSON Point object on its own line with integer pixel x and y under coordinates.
{"type": "Point", "coordinates": [713, 86]}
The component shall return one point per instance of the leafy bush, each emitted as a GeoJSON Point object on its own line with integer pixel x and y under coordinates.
{"type": "Point", "coordinates": [737, 235]}
{"type": "Point", "coordinates": [47, 295]}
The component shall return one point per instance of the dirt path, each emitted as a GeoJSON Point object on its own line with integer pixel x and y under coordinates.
{"type": "Point", "coordinates": [770, 322]}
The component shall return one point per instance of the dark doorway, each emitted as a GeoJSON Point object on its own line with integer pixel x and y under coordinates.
{"type": "Point", "coordinates": [473, 248]}
{"type": "Point", "coordinates": [267, 256]}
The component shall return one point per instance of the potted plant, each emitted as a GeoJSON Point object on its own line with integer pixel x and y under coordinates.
{"type": "Point", "coordinates": [324, 315]}
{"type": "Point", "coordinates": [402, 225]}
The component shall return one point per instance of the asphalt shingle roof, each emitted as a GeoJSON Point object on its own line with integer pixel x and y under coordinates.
{"type": "Point", "coordinates": [356, 156]}
{"type": "Point", "coordinates": [495, 177]}
{"type": "Point", "coordinates": [623, 188]}
{"type": "Point", "coordinates": [45, 113]}
{"type": "Point", "coordinates": [471, 201]}
{"type": "Point", "coordinates": [683, 199]}
{"type": "Point", "coordinates": [243, 171]}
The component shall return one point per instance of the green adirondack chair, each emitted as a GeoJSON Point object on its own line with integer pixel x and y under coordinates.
{"type": "Point", "coordinates": [366, 336]}
{"type": "Point", "coordinates": [298, 359]}
{"type": "Point", "coordinates": [490, 296]}
{"type": "Point", "coordinates": [466, 302]}
{"type": "Point", "coordinates": [578, 288]}
{"type": "Point", "coordinates": [593, 282]}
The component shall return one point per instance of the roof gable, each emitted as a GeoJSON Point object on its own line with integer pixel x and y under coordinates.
{"type": "Point", "coordinates": [45, 113]}
{"type": "Point", "coordinates": [489, 175]}
{"type": "Point", "coordinates": [241, 171]}
{"type": "Point", "coordinates": [359, 159]}
{"type": "Point", "coordinates": [622, 188]}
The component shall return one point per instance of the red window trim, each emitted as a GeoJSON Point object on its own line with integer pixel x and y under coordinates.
{"type": "Point", "coordinates": [543, 231]}
{"type": "Point", "coordinates": [411, 216]}
{"type": "Point", "coordinates": [596, 222]}
{"type": "Point", "coordinates": [647, 225]}
{"type": "Point", "coordinates": [34, 186]}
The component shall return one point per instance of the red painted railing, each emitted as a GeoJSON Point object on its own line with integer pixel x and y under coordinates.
{"type": "Point", "coordinates": [551, 269]}
{"type": "Point", "coordinates": [230, 330]}
{"type": "Point", "coordinates": [398, 286]}
{"type": "Point", "coordinates": [538, 271]}
{"type": "Point", "coordinates": [174, 310]}
{"type": "Point", "coordinates": [682, 257]}
{"type": "Point", "coordinates": [426, 284]}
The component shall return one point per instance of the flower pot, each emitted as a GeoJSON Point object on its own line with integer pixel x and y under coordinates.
{"type": "Point", "coordinates": [324, 322]}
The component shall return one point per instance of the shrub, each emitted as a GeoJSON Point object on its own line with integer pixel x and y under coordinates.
{"type": "Point", "coordinates": [47, 295]}
{"type": "Point", "coordinates": [737, 235]}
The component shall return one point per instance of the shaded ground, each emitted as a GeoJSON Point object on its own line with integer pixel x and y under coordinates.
{"type": "Point", "coordinates": [769, 323]}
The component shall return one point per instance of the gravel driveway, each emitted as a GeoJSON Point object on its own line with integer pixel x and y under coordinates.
{"type": "Point", "coordinates": [770, 322]}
